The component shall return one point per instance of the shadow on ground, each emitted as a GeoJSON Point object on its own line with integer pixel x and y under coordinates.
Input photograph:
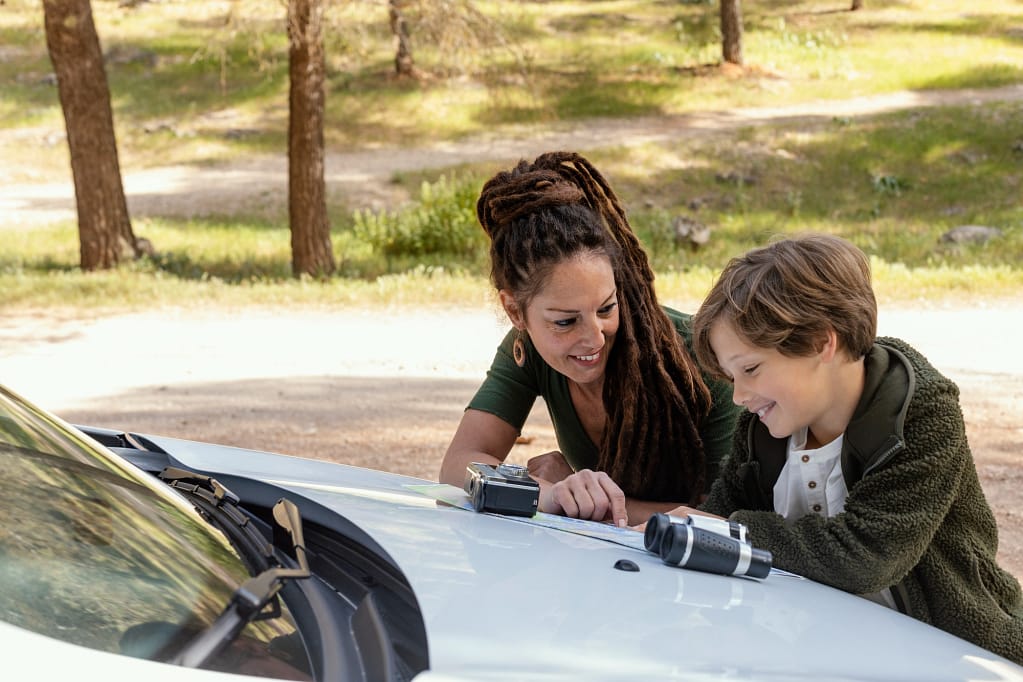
{"type": "Point", "coordinates": [394, 424]}
{"type": "Point", "coordinates": [403, 425]}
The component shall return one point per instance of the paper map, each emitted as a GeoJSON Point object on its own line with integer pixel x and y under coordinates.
{"type": "Point", "coordinates": [625, 537]}
{"type": "Point", "coordinates": [456, 497]}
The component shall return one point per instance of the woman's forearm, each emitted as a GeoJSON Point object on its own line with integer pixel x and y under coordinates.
{"type": "Point", "coordinates": [452, 469]}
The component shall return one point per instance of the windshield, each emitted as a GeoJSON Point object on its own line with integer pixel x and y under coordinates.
{"type": "Point", "coordinates": [97, 554]}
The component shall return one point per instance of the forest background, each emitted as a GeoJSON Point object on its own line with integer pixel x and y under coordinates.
{"type": "Point", "coordinates": [896, 126]}
{"type": "Point", "coordinates": [197, 85]}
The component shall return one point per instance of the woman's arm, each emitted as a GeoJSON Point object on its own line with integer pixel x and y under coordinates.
{"type": "Point", "coordinates": [480, 437]}
{"type": "Point", "coordinates": [486, 438]}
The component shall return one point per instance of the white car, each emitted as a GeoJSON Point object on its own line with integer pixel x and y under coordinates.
{"type": "Point", "coordinates": [128, 557]}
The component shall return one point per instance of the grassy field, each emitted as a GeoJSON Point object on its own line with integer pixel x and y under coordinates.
{"type": "Point", "coordinates": [199, 82]}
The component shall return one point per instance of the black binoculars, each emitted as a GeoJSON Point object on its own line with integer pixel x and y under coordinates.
{"type": "Point", "coordinates": [705, 544]}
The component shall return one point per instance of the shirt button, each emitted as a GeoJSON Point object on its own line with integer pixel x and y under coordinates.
{"type": "Point", "coordinates": [816, 507]}
{"type": "Point", "coordinates": [806, 458]}
{"type": "Point", "coordinates": [812, 484]}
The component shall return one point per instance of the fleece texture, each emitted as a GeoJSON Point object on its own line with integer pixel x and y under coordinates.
{"type": "Point", "coordinates": [916, 519]}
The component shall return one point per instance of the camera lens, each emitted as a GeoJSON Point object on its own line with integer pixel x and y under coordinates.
{"type": "Point", "coordinates": [476, 493]}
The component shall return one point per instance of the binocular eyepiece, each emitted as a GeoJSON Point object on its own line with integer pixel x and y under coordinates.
{"type": "Point", "coordinates": [705, 544]}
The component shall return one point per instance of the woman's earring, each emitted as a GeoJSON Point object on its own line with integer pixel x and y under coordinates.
{"type": "Point", "coordinates": [519, 351]}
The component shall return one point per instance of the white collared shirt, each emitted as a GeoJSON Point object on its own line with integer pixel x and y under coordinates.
{"type": "Point", "coordinates": [811, 482]}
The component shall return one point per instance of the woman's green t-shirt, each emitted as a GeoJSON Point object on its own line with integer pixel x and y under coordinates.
{"type": "Point", "coordinates": [509, 392]}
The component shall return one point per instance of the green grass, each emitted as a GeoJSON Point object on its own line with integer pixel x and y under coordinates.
{"type": "Point", "coordinates": [192, 84]}
{"type": "Point", "coordinates": [893, 184]}
{"type": "Point", "coordinates": [182, 65]}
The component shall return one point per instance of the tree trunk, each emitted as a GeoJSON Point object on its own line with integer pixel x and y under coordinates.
{"type": "Point", "coordinates": [731, 31]}
{"type": "Point", "coordinates": [404, 65]}
{"type": "Point", "coordinates": [856, 4]}
{"type": "Point", "coordinates": [104, 228]}
{"type": "Point", "coordinates": [311, 252]}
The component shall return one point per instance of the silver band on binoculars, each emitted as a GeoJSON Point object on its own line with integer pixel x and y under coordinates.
{"type": "Point", "coordinates": [742, 561]}
{"type": "Point", "coordinates": [697, 548]}
{"type": "Point", "coordinates": [742, 564]}
{"type": "Point", "coordinates": [720, 526]}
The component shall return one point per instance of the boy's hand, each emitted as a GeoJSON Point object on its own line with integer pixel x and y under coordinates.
{"type": "Point", "coordinates": [681, 513]}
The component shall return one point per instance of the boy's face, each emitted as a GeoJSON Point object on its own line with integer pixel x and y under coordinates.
{"type": "Point", "coordinates": [786, 393]}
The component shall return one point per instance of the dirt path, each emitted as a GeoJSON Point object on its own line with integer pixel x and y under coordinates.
{"type": "Point", "coordinates": [385, 389]}
{"type": "Point", "coordinates": [363, 178]}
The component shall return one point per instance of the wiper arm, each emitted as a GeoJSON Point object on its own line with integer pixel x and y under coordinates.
{"type": "Point", "coordinates": [252, 596]}
{"type": "Point", "coordinates": [219, 506]}
{"type": "Point", "coordinates": [189, 481]}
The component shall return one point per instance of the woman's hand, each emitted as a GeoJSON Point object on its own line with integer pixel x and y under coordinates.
{"type": "Point", "coordinates": [588, 495]}
{"type": "Point", "coordinates": [550, 466]}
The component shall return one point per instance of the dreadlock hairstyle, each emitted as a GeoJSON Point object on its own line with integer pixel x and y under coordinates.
{"type": "Point", "coordinates": [538, 215]}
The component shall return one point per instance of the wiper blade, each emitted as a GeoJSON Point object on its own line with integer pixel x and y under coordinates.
{"type": "Point", "coordinates": [249, 600]}
{"type": "Point", "coordinates": [219, 506]}
{"type": "Point", "coordinates": [190, 481]}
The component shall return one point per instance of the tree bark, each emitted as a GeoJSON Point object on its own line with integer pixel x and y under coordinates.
{"type": "Point", "coordinates": [731, 31]}
{"type": "Point", "coordinates": [311, 251]}
{"type": "Point", "coordinates": [404, 65]}
{"type": "Point", "coordinates": [104, 227]}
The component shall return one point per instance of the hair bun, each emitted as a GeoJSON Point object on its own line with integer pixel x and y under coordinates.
{"type": "Point", "coordinates": [510, 195]}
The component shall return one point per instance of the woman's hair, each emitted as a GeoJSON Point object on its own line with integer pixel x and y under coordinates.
{"type": "Point", "coordinates": [788, 295]}
{"type": "Point", "coordinates": [540, 214]}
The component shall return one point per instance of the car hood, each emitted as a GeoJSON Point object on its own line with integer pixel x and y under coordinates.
{"type": "Point", "coordinates": [32, 656]}
{"type": "Point", "coordinates": [505, 598]}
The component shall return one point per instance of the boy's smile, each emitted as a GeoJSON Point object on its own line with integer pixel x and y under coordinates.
{"type": "Point", "coordinates": [761, 411]}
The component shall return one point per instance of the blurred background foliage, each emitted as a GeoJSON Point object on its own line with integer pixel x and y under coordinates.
{"type": "Point", "coordinates": [199, 83]}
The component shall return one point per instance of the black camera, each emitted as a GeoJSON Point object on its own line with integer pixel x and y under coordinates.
{"type": "Point", "coordinates": [504, 489]}
{"type": "Point", "coordinates": [700, 545]}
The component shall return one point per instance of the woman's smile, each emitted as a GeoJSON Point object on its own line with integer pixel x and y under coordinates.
{"type": "Point", "coordinates": [587, 360]}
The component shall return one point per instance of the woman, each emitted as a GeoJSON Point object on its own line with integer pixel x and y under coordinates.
{"type": "Point", "coordinates": [639, 429]}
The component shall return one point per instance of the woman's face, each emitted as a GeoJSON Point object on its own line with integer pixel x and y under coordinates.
{"type": "Point", "coordinates": [572, 321]}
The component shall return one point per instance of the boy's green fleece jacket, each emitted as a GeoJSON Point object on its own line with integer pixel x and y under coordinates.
{"type": "Point", "coordinates": [916, 519]}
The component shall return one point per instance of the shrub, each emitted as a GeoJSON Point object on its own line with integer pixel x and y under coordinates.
{"type": "Point", "coordinates": [443, 221]}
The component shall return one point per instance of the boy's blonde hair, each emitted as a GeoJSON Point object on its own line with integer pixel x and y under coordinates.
{"type": "Point", "coordinates": [788, 295]}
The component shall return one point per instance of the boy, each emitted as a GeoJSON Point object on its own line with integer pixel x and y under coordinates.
{"type": "Point", "coordinates": [851, 463]}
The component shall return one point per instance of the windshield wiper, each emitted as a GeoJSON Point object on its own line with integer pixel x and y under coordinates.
{"type": "Point", "coordinates": [254, 594]}
{"type": "Point", "coordinates": [219, 506]}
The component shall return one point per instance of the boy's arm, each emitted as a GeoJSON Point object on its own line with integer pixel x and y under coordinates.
{"type": "Point", "coordinates": [890, 516]}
